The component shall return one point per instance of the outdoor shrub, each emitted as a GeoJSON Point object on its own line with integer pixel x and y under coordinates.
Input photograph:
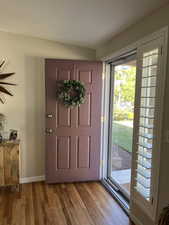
{"type": "Point", "coordinates": [122, 114]}
{"type": "Point", "coordinates": [130, 116]}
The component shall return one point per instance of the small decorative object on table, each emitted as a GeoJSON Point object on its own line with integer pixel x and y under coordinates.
{"type": "Point", "coordinates": [2, 122]}
{"type": "Point", "coordinates": [13, 135]}
{"type": "Point", "coordinates": [2, 126]}
{"type": "Point", "coordinates": [1, 138]}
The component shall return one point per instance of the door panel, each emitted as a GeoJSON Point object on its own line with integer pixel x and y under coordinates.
{"type": "Point", "coordinates": [84, 152]}
{"type": "Point", "coordinates": [63, 116]}
{"type": "Point", "coordinates": [73, 143]}
{"type": "Point", "coordinates": [63, 152]}
{"type": "Point", "coordinates": [84, 112]}
{"type": "Point", "coordinates": [85, 76]}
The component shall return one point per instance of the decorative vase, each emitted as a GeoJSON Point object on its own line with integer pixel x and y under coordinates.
{"type": "Point", "coordinates": [2, 122]}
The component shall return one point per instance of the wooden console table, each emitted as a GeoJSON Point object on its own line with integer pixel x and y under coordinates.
{"type": "Point", "coordinates": [9, 164]}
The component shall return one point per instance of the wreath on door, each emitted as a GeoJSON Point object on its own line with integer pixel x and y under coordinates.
{"type": "Point", "coordinates": [71, 93]}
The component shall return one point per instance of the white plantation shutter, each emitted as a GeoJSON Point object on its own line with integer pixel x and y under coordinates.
{"type": "Point", "coordinates": [145, 145]}
{"type": "Point", "coordinates": [147, 126]}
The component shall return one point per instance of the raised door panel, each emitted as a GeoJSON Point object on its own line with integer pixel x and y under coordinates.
{"type": "Point", "coordinates": [64, 74]}
{"type": "Point", "coordinates": [84, 149]}
{"type": "Point", "coordinates": [63, 114]}
{"type": "Point", "coordinates": [63, 152]}
{"type": "Point", "coordinates": [84, 112]}
{"type": "Point", "coordinates": [73, 152]}
{"type": "Point", "coordinates": [85, 75]}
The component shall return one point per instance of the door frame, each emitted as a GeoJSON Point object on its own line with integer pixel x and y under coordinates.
{"type": "Point", "coordinates": [92, 171]}
{"type": "Point", "coordinates": [130, 57]}
{"type": "Point", "coordinates": [105, 102]}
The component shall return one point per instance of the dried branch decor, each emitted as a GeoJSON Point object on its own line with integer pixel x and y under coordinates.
{"type": "Point", "coordinates": [3, 76]}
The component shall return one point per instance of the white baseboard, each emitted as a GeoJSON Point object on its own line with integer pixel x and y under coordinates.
{"type": "Point", "coordinates": [25, 180]}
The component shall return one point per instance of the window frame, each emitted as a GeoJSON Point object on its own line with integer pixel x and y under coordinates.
{"type": "Point", "coordinates": [105, 107]}
{"type": "Point", "coordinates": [149, 207]}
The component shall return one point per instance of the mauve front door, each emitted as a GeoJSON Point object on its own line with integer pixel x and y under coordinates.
{"type": "Point", "coordinates": [73, 135]}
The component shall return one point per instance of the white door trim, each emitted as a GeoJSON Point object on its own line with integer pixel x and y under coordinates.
{"type": "Point", "coordinates": [135, 45]}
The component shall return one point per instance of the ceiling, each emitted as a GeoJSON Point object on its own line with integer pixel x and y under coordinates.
{"type": "Point", "coordinates": [86, 23]}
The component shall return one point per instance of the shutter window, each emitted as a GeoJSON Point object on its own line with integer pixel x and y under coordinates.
{"type": "Point", "coordinates": [146, 136]}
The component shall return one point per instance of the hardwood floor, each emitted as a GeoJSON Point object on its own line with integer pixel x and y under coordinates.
{"type": "Point", "coordinates": [60, 204]}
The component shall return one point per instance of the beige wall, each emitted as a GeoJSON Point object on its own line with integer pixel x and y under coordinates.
{"type": "Point", "coordinates": [147, 26]}
{"type": "Point", "coordinates": [26, 110]}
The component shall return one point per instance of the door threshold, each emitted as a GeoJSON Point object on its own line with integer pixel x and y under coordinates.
{"type": "Point", "coordinates": [118, 197]}
{"type": "Point", "coordinates": [117, 187]}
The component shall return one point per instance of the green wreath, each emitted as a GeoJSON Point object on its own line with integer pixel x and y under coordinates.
{"type": "Point", "coordinates": [71, 93]}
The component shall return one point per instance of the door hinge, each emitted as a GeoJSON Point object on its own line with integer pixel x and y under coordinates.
{"type": "Point", "coordinates": [152, 200]}
{"type": "Point", "coordinates": [161, 51]}
{"type": "Point", "coordinates": [101, 163]}
{"type": "Point", "coordinates": [103, 76]}
{"type": "Point", "coordinates": [103, 119]}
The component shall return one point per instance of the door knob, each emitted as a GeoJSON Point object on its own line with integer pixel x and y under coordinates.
{"type": "Point", "coordinates": [49, 115]}
{"type": "Point", "coordinates": [49, 131]}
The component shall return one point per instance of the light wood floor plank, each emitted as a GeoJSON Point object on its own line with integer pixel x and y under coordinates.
{"type": "Point", "coordinates": [60, 204]}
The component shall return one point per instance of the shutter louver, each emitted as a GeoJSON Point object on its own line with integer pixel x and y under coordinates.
{"type": "Point", "coordinates": [146, 123]}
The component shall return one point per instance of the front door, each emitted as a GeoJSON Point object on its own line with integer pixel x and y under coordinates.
{"type": "Point", "coordinates": [73, 135]}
